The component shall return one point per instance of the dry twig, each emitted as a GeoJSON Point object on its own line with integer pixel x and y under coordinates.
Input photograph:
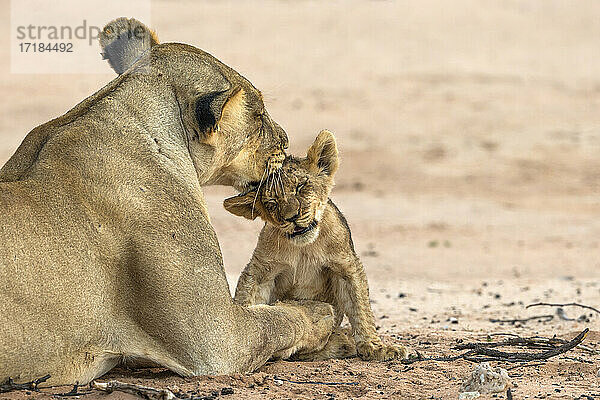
{"type": "Point", "coordinates": [74, 392]}
{"type": "Point", "coordinates": [10, 385]}
{"type": "Point", "coordinates": [542, 318]}
{"type": "Point", "coordinates": [536, 342]}
{"type": "Point", "coordinates": [479, 352]}
{"type": "Point", "coordinates": [564, 305]}
{"type": "Point", "coordinates": [144, 392]}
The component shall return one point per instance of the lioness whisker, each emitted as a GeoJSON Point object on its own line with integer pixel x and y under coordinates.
{"type": "Point", "coordinates": [276, 185]}
{"type": "Point", "coordinates": [258, 190]}
{"type": "Point", "coordinates": [281, 183]}
{"type": "Point", "coordinates": [272, 181]}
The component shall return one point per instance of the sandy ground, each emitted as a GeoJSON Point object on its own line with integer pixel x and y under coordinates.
{"type": "Point", "coordinates": [470, 138]}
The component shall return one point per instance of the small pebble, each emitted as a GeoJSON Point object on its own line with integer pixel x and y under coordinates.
{"type": "Point", "coordinates": [468, 395]}
{"type": "Point", "coordinates": [226, 391]}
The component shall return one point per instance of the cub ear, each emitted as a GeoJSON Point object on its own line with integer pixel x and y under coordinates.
{"type": "Point", "coordinates": [245, 205]}
{"type": "Point", "coordinates": [124, 41]}
{"type": "Point", "coordinates": [323, 154]}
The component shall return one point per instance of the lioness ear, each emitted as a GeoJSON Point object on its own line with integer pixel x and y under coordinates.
{"type": "Point", "coordinates": [215, 109]}
{"type": "Point", "coordinates": [244, 205]}
{"type": "Point", "coordinates": [323, 154]}
{"type": "Point", "coordinates": [124, 41]}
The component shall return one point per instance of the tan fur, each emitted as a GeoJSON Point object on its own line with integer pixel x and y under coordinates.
{"type": "Point", "coordinates": [106, 247]}
{"type": "Point", "coordinates": [124, 41]}
{"type": "Point", "coordinates": [320, 264]}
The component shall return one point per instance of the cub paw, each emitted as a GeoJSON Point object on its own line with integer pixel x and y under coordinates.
{"type": "Point", "coordinates": [377, 351]}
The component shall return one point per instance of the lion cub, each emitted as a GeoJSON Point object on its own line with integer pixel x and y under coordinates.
{"type": "Point", "coordinates": [305, 251]}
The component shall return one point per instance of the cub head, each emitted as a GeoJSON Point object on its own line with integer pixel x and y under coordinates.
{"type": "Point", "coordinates": [293, 200]}
{"type": "Point", "coordinates": [222, 119]}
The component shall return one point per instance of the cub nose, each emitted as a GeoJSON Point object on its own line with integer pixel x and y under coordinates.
{"type": "Point", "coordinates": [291, 211]}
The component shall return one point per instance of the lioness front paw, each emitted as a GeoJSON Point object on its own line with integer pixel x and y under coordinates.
{"type": "Point", "coordinates": [317, 327]}
{"type": "Point", "coordinates": [340, 345]}
{"type": "Point", "coordinates": [377, 351]}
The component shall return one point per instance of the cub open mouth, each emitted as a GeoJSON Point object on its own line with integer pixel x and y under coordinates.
{"type": "Point", "coordinates": [299, 231]}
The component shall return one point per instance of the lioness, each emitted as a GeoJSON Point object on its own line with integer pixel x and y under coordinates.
{"type": "Point", "coordinates": [305, 251]}
{"type": "Point", "coordinates": [106, 246]}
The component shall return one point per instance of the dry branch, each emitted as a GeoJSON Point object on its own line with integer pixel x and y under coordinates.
{"type": "Point", "coordinates": [542, 318]}
{"type": "Point", "coordinates": [536, 342]}
{"type": "Point", "coordinates": [564, 305]}
{"type": "Point", "coordinates": [144, 392]}
{"type": "Point", "coordinates": [74, 392]}
{"type": "Point", "coordinates": [479, 352]}
{"type": "Point", "coordinates": [10, 385]}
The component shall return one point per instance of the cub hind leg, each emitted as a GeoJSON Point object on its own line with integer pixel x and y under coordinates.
{"type": "Point", "coordinates": [352, 295]}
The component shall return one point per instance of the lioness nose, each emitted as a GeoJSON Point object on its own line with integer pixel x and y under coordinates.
{"type": "Point", "coordinates": [291, 211]}
{"type": "Point", "coordinates": [293, 219]}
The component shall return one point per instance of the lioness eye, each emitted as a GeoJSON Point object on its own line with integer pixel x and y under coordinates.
{"type": "Point", "coordinates": [271, 205]}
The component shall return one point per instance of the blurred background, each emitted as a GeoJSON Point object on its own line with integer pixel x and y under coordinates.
{"type": "Point", "coordinates": [469, 134]}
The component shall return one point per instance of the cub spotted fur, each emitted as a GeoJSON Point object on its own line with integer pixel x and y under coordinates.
{"type": "Point", "coordinates": [305, 251]}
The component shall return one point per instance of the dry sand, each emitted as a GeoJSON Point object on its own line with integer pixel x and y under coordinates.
{"type": "Point", "coordinates": [470, 138]}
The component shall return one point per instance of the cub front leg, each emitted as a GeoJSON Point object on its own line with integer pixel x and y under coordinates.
{"type": "Point", "coordinates": [256, 283]}
{"type": "Point", "coordinates": [354, 293]}
{"type": "Point", "coordinates": [245, 292]}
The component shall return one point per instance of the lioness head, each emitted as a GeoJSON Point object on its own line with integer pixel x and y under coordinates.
{"type": "Point", "coordinates": [230, 137]}
{"type": "Point", "coordinates": [293, 200]}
